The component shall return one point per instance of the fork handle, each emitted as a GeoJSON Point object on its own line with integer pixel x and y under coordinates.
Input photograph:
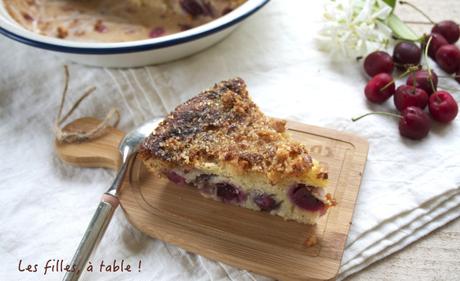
{"type": "Point", "coordinates": [93, 235]}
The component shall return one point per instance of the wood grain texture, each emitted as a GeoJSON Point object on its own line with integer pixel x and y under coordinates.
{"type": "Point", "coordinates": [247, 239]}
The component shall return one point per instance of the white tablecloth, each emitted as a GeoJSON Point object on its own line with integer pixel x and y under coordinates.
{"type": "Point", "coordinates": [409, 188]}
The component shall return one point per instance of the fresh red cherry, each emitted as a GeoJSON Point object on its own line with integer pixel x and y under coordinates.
{"type": "Point", "coordinates": [378, 62]}
{"type": "Point", "coordinates": [380, 88]}
{"type": "Point", "coordinates": [406, 96]}
{"type": "Point", "coordinates": [443, 107]}
{"type": "Point", "coordinates": [414, 123]}
{"type": "Point", "coordinates": [423, 80]}
{"type": "Point", "coordinates": [437, 41]}
{"type": "Point", "coordinates": [406, 54]}
{"type": "Point", "coordinates": [457, 75]}
{"type": "Point", "coordinates": [448, 58]}
{"type": "Point", "coordinates": [449, 29]}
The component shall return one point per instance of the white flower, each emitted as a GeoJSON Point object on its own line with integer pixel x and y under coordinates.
{"type": "Point", "coordinates": [354, 28]}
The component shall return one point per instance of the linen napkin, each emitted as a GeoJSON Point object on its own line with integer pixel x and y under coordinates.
{"type": "Point", "coordinates": [409, 188]}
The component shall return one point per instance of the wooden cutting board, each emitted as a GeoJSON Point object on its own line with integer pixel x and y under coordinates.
{"type": "Point", "coordinates": [243, 238]}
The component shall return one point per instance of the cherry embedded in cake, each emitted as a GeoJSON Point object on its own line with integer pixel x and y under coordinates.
{"type": "Point", "coordinates": [222, 144]}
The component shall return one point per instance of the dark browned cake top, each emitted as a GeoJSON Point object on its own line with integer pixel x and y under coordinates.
{"type": "Point", "coordinates": [223, 126]}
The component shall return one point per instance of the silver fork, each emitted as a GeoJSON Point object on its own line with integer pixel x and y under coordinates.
{"type": "Point", "coordinates": [109, 202]}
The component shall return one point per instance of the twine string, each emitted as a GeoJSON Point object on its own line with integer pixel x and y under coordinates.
{"type": "Point", "coordinates": [62, 136]}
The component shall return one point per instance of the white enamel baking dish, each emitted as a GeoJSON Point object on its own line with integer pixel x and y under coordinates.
{"type": "Point", "coordinates": [134, 53]}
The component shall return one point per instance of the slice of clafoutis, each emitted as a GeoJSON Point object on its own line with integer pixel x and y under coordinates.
{"type": "Point", "coordinates": [222, 144]}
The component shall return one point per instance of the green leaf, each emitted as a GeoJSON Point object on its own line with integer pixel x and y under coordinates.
{"type": "Point", "coordinates": [400, 29]}
{"type": "Point", "coordinates": [391, 3]}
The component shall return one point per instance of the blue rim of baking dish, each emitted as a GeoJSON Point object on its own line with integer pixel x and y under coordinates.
{"type": "Point", "coordinates": [129, 49]}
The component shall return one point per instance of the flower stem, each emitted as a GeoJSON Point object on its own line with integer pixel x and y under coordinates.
{"type": "Point", "coordinates": [354, 119]}
{"type": "Point", "coordinates": [417, 9]}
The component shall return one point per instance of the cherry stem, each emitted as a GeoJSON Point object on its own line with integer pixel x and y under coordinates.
{"type": "Point", "coordinates": [418, 10]}
{"type": "Point", "coordinates": [420, 22]}
{"type": "Point", "coordinates": [411, 67]}
{"type": "Point", "coordinates": [354, 119]}
{"type": "Point", "coordinates": [387, 85]}
{"type": "Point", "coordinates": [408, 71]}
{"type": "Point", "coordinates": [425, 54]}
{"type": "Point", "coordinates": [417, 22]}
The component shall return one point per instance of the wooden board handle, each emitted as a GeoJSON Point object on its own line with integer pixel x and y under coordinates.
{"type": "Point", "coordinates": [101, 152]}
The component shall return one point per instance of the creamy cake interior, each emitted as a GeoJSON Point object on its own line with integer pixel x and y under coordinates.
{"type": "Point", "coordinates": [291, 200]}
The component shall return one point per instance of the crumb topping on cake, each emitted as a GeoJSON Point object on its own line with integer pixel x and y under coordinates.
{"type": "Point", "coordinates": [223, 126]}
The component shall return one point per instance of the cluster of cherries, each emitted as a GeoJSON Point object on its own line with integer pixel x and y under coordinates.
{"type": "Point", "coordinates": [421, 85]}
